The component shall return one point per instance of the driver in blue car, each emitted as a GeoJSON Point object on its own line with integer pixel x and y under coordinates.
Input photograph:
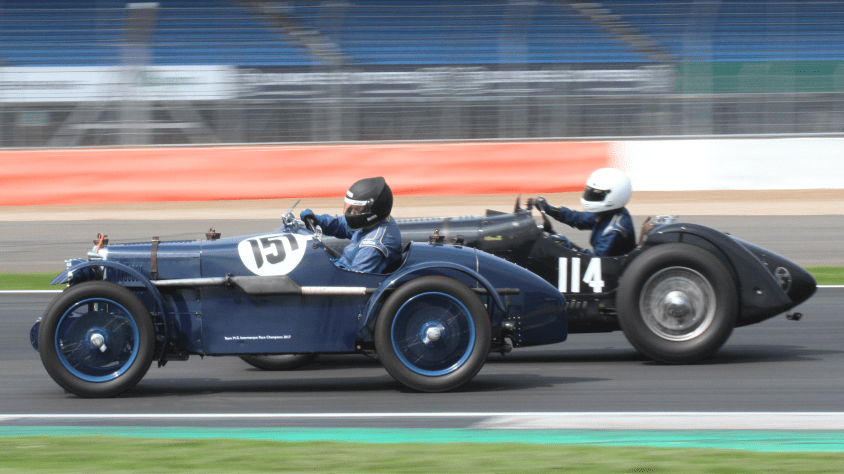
{"type": "Point", "coordinates": [375, 237]}
{"type": "Point", "coordinates": [607, 192]}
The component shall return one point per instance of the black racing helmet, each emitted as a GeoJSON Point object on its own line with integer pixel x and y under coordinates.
{"type": "Point", "coordinates": [368, 202]}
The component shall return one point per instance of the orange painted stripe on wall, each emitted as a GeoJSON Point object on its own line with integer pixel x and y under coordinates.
{"type": "Point", "coordinates": [94, 176]}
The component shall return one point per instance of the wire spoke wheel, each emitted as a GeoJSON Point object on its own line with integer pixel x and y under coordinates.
{"type": "Point", "coordinates": [96, 339]}
{"type": "Point", "coordinates": [433, 334]}
{"type": "Point", "coordinates": [677, 303]}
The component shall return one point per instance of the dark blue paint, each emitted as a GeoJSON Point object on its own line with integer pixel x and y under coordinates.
{"type": "Point", "coordinates": [218, 320]}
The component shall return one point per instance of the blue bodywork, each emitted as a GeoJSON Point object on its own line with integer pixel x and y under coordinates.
{"type": "Point", "coordinates": [198, 317]}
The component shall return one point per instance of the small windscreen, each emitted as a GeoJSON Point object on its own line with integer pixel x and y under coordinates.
{"type": "Point", "coordinates": [594, 195]}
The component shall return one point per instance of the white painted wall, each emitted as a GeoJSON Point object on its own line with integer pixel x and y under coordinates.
{"type": "Point", "coordinates": [732, 164]}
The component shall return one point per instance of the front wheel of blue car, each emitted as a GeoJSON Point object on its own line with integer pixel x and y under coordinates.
{"type": "Point", "coordinates": [433, 334]}
{"type": "Point", "coordinates": [96, 339]}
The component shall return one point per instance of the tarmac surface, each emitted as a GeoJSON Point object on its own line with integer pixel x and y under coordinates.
{"type": "Point", "coordinates": [774, 366]}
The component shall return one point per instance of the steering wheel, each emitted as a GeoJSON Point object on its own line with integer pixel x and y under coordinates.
{"type": "Point", "coordinates": [546, 223]}
{"type": "Point", "coordinates": [310, 223]}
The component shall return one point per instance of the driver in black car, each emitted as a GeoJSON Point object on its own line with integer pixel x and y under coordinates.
{"type": "Point", "coordinates": [607, 192]}
{"type": "Point", "coordinates": [375, 237]}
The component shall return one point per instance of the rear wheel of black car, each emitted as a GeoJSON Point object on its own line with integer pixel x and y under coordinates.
{"type": "Point", "coordinates": [677, 303]}
{"type": "Point", "coordinates": [433, 334]}
{"type": "Point", "coordinates": [279, 362]}
{"type": "Point", "coordinates": [97, 339]}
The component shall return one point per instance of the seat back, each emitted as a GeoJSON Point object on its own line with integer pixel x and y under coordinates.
{"type": "Point", "coordinates": [398, 263]}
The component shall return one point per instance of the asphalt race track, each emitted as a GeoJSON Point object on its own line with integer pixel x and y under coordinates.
{"type": "Point", "coordinates": [43, 246]}
{"type": "Point", "coordinates": [778, 365]}
{"type": "Point", "coordinates": [775, 366]}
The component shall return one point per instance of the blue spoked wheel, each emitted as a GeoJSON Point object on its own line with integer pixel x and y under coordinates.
{"type": "Point", "coordinates": [433, 334]}
{"type": "Point", "coordinates": [96, 339]}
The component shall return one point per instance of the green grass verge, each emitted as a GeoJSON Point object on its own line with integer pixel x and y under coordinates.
{"type": "Point", "coordinates": [116, 454]}
{"type": "Point", "coordinates": [41, 281]}
{"type": "Point", "coordinates": [28, 281]}
{"type": "Point", "coordinates": [827, 275]}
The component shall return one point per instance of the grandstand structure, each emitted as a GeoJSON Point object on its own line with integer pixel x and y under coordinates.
{"type": "Point", "coordinates": [107, 72]}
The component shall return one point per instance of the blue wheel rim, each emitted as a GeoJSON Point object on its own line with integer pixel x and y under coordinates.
{"type": "Point", "coordinates": [428, 315]}
{"type": "Point", "coordinates": [83, 325]}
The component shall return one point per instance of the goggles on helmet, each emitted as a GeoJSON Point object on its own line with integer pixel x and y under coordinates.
{"type": "Point", "coordinates": [594, 195]}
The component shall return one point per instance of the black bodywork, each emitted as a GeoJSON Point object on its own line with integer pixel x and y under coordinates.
{"type": "Point", "coordinates": [767, 284]}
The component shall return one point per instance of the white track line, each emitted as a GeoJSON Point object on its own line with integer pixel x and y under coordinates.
{"type": "Point", "coordinates": [668, 421]}
{"type": "Point", "coordinates": [518, 420]}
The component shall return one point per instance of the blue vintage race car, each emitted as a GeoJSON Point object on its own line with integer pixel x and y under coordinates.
{"type": "Point", "coordinates": [432, 320]}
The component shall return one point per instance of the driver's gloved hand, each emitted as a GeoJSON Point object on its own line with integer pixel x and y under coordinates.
{"type": "Point", "coordinates": [542, 205]}
{"type": "Point", "coordinates": [307, 216]}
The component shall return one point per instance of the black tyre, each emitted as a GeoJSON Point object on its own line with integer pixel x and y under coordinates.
{"type": "Point", "coordinates": [433, 334]}
{"type": "Point", "coordinates": [677, 303]}
{"type": "Point", "coordinates": [96, 339]}
{"type": "Point", "coordinates": [279, 362]}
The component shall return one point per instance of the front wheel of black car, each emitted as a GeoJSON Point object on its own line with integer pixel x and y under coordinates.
{"type": "Point", "coordinates": [97, 339]}
{"type": "Point", "coordinates": [433, 334]}
{"type": "Point", "coordinates": [677, 303]}
{"type": "Point", "coordinates": [279, 362]}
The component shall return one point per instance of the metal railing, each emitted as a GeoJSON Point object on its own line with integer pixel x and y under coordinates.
{"type": "Point", "coordinates": [331, 88]}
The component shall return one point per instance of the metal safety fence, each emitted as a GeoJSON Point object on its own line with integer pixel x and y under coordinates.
{"type": "Point", "coordinates": [239, 72]}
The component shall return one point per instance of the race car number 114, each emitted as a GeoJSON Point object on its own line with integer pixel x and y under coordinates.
{"type": "Point", "coordinates": [591, 277]}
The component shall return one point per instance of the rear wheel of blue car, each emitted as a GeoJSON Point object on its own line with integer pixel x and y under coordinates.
{"type": "Point", "coordinates": [279, 362]}
{"type": "Point", "coordinates": [96, 339]}
{"type": "Point", "coordinates": [433, 334]}
{"type": "Point", "coordinates": [677, 303]}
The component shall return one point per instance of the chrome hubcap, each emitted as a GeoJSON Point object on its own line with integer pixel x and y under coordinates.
{"type": "Point", "coordinates": [98, 341]}
{"type": "Point", "coordinates": [433, 334]}
{"type": "Point", "coordinates": [677, 303]}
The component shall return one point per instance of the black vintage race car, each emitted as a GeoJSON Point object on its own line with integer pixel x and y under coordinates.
{"type": "Point", "coordinates": [677, 296]}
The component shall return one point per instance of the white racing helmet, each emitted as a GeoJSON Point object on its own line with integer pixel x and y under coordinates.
{"type": "Point", "coordinates": [606, 189]}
